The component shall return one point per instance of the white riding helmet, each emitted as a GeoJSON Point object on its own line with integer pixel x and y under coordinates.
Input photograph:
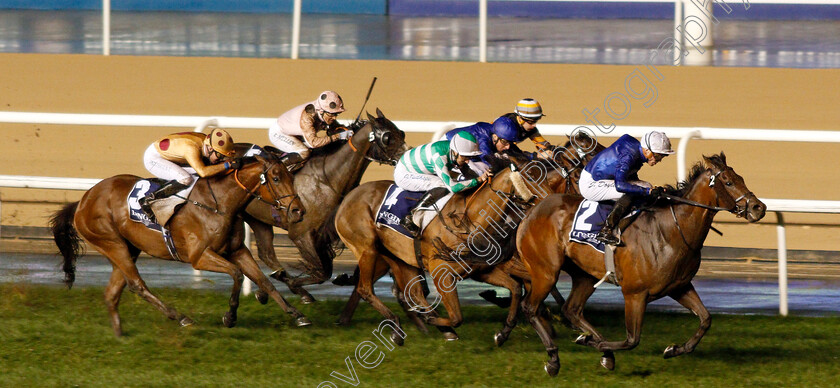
{"type": "Point", "coordinates": [464, 144]}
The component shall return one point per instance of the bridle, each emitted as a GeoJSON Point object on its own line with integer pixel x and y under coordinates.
{"type": "Point", "coordinates": [737, 210]}
{"type": "Point", "coordinates": [378, 138]}
{"type": "Point", "coordinates": [278, 197]}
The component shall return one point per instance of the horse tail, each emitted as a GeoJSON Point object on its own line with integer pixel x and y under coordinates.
{"type": "Point", "coordinates": [328, 245]}
{"type": "Point", "coordinates": [67, 239]}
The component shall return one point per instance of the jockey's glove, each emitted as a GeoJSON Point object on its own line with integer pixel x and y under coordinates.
{"type": "Point", "coordinates": [345, 135]}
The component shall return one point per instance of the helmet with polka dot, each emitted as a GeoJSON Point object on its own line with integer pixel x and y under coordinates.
{"type": "Point", "coordinates": [221, 142]}
{"type": "Point", "coordinates": [329, 102]}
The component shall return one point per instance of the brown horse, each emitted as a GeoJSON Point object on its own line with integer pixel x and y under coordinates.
{"type": "Point", "coordinates": [659, 257]}
{"type": "Point", "coordinates": [542, 177]}
{"type": "Point", "coordinates": [207, 232]}
{"type": "Point", "coordinates": [322, 183]}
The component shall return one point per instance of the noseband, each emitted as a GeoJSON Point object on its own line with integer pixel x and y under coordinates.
{"type": "Point", "coordinates": [277, 204]}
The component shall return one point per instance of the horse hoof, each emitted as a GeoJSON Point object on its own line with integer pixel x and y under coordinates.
{"type": "Point", "coordinates": [451, 336]}
{"type": "Point", "coordinates": [302, 321]}
{"type": "Point", "coordinates": [582, 339]}
{"type": "Point", "coordinates": [186, 321]}
{"type": "Point", "coordinates": [552, 368]}
{"type": "Point", "coordinates": [397, 339]}
{"type": "Point", "coordinates": [229, 320]}
{"type": "Point", "coordinates": [670, 351]}
{"type": "Point", "coordinates": [262, 297]}
{"type": "Point", "coordinates": [499, 339]}
{"type": "Point", "coordinates": [306, 299]}
{"type": "Point", "coordinates": [608, 362]}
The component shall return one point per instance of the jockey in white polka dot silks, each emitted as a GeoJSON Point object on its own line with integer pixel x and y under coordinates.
{"type": "Point", "coordinates": [427, 168]}
{"type": "Point", "coordinates": [612, 175]}
{"type": "Point", "coordinates": [296, 132]}
{"type": "Point", "coordinates": [168, 157]}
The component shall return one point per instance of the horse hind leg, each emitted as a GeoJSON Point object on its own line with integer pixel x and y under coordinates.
{"type": "Point", "coordinates": [689, 299]}
{"type": "Point", "coordinates": [540, 287]}
{"type": "Point", "coordinates": [113, 292]}
{"type": "Point", "coordinates": [121, 257]}
{"type": "Point", "coordinates": [243, 259]}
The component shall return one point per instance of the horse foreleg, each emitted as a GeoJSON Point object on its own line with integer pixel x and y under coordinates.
{"type": "Point", "coordinates": [540, 287]}
{"type": "Point", "coordinates": [499, 278]}
{"type": "Point", "coordinates": [634, 313]}
{"type": "Point", "coordinates": [318, 269]}
{"type": "Point", "coordinates": [243, 259]}
{"type": "Point", "coordinates": [367, 266]}
{"type": "Point", "coordinates": [211, 261]}
{"type": "Point", "coordinates": [582, 289]}
{"type": "Point", "coordinates": [689, 299]}
{"type": "Point", "coordinates": [112, 299]}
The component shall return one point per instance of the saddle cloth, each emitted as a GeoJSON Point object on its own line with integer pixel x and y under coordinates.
{"type": "Point", "coordinates": [163, 208]}
{"type": "Point", "coordinates": [398, 202]}
{"type": "Point", "coordinates": [589, 219]}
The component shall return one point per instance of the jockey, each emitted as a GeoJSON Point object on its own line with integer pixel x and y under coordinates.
{"type": "Point", "coordinates": [295, 131]}
{"type": "Point", "coordinates": [167, 157]}
{"type": "Point", "coordinates": [523, 121]}
{"type": "Point", "coordinates": [492, 140]}
{"type": "Point", "coordinates": [427, 168]}
{"type": "Point", "coordinates": [613, 175]}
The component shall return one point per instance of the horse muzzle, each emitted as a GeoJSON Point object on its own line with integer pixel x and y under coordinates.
{"type": "Point", "coordinates": [753, 209]}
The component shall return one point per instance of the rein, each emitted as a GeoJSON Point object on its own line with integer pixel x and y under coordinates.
{"type": "Point", "coordinates": [276, 204]}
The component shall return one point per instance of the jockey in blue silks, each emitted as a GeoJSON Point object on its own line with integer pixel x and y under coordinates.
{"type": "Point", "coordinates": [501, 136]}
{"type": "Point", "coordinates": [613, 175]}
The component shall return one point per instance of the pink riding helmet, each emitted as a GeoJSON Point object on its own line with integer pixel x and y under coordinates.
{"type": "Point", "coordinates": [329, 102]}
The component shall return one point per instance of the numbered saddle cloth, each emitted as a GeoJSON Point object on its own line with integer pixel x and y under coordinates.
{"type": "Point", "coordinates": [398, 202]}
{"type": "Point", "coordinates": [589, 219]}
{"type": "Point", "coordinates": [163, 208]}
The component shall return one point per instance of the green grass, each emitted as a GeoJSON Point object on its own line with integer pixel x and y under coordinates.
{"type": "Point", "coordinates": [51, 336]}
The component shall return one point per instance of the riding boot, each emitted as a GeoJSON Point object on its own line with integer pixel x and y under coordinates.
{"type": "Point", "coordinates": [428, 199]}
{"type": "Point", "coordinates": [169, 188]}
{"type": "Point", "coordinates": [293, 161]}
{"type": "Point", "coordinates": [606, 234]}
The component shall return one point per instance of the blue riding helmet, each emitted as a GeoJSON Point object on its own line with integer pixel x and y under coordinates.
{"type": "Point", "coordinates": [505, 128]}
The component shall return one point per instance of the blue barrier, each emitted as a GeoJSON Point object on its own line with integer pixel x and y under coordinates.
{"type": "Point", "coordinates": [376, 7]}
{"type": "Point", "coordinates": [606, 10]}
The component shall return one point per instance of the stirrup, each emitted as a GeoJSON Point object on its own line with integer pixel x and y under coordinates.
{"type": "Point", "coordinates": [409, 225]}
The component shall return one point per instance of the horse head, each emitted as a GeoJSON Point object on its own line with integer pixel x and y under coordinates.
{"type": "Point", "coordinates": [732, 192]}
{"type": "Point", "coordinates": [275, 186]}
{"type": "Point", "coordinates": [387, 142]}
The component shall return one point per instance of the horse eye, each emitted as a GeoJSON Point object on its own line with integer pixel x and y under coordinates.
{"type": "Point", "coordinates": [729, 183]}
{"type": "Point", "coordinates": [386, 139]}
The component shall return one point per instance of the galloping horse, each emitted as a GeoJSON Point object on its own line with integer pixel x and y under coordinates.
{"type": "Point", "coordinates": [659, 257]}
{"type": "Point", "coordinates": [322, 183]}
{"type": "Point", "coordinates": [207, 235]}
{"type": "Point", "coordinates": [543, 178]}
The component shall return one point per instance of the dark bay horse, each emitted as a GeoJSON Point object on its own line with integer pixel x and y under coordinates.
{"type": "Point", "coordinates": [207, 232]}
{"type": "Point", "coordinates": [659, 256]}
{"type": "Point", "coordinates": [542, 177]}
{"type": "Point", "coordinates": [322, 183]}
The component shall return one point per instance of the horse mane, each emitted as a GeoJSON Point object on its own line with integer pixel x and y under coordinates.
{"type": "Point", "coordinates": [682, 187]}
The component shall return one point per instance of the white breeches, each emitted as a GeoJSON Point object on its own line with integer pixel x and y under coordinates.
{"type": "Point", "coordinates": [603, 190]}
{"type": "Point", "coordinates": [410, 181]}
{"type": "Point", "coordinates": [165, 169]}
{"type": "Point", "coordinates": [287, 143]}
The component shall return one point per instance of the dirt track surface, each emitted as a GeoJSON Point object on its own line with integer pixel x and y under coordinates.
{"type": "Point", "coordinates": [792, 99]}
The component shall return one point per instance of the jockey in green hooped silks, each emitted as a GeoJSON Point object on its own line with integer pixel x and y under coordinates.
{"type": "Point", "coordinates": [428, 168]}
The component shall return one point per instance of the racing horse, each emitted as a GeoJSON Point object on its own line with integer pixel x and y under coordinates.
{"type": "Point", "coordinates": [542, 178]}
{"type": "Point", "coordinates": [207, 232]}
{"type": "Point", "coordinates": [659, 256]}
{"type": "Point", "coordinates": [322, 183]}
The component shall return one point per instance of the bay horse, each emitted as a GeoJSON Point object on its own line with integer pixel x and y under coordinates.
{"type": "Point", "coordinates": [207, 232]}
{"type": "Point", "coordinates": [322, 183]}
{"type": "Point", "coordinates": [542, 177]}
{"type": "Point", "coordinates": [659, 256]}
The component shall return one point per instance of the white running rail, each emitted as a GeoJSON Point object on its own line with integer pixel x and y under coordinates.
{"type": "Point", "coordinates": [685, 135]}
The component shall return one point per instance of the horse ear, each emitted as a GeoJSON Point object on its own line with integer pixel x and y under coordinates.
{"type": "Point", "coordinates": [723, 157]}
{"type": "Point", "coordinates": [371, 118]}
{"type": "Point", "coordinates": [379, 114]}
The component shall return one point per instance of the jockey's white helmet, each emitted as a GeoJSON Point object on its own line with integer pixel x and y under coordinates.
{"type": "Point", "coordinates": [464, 144]}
